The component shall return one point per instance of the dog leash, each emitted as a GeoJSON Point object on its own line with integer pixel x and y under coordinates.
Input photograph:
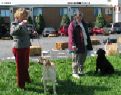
{"type": "Point", "coordinates": [105, 46]}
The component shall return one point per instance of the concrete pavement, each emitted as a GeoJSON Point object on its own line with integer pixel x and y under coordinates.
{"type": "Point", "coordinates": [47, 43]}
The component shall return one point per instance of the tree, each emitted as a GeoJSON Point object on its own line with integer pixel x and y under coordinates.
{"type": "Point", "coordinates": [65, 20]}
{"type": "Point", "coordinates": [30, 21]}
{"type": "Point", "coordinates": [1, 22]}
{"type": "Point", "coordinates": [100, 21]}
{"type": "Point", "coordinates": [39, 23]}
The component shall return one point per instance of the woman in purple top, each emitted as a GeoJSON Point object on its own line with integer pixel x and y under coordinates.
{"type": "Point", "coordinates": [78, 44]}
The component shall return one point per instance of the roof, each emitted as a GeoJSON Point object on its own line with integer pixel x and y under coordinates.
{"type": "Point", "coordinates": [58, 2]}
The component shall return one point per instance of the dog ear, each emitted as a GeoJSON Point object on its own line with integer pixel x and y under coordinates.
{"type": "Point", "coordinates": [47, 62]}
{"type": "Point", "coordinates": [98, 51]}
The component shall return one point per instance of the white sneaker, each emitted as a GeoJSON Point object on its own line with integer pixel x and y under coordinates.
{"type": "Point", "coordinates": [76, 76]}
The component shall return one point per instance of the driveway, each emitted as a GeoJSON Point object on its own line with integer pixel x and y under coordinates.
{"type": "Point", "coordinates": [47, 43]}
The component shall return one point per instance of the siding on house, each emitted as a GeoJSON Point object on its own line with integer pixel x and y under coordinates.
{"type": "Point", "coordinates": [52, 15]}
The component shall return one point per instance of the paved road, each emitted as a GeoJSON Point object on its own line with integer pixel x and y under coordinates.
{"type": "Point", "coordinates": [47, 43]}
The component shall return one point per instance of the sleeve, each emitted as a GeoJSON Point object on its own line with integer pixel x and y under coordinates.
{"type": "Point", "coordinates": [15, 28]}
{"type": "Point", "coordinates": [18, 30]}
{"type": "Point", "coordinates": [70, 33]}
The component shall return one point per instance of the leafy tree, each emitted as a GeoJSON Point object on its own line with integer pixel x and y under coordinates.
{"type": "Point", "coordinates": [65, 20]}
{"type": "Point", "coordinates": [100, 21]}
{"type": "Point", "coordinates": [39, 23]}
{"type": "Point", "coordinates": [1, 22]}
{"type": "Point", "coordinates": [30, 21]}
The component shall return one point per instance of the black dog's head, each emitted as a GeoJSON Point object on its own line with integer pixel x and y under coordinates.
{"type": "Point", "coordinates": [100, 52]}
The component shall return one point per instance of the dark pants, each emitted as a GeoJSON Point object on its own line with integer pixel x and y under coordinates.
{"type": "Point", "coordinates": [78, 62]}
{"type": "Point", "coordinates": [22, 65]}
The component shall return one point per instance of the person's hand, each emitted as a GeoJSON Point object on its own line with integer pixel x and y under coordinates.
{"type": "Point", "coordinates": [74, 48]}
{"type": "Point", "coordinates": [35, 33]}
{"type": "Point", "coordinates": [24, 22]}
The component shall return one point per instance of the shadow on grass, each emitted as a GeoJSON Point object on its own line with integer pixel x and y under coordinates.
{"type": "Point", "coordinates": [91, 73]}
{"type": "Point", "coordinates": [35, 87]}
{"type": "Point", "coordinates": [68, 87]}
{"type": "Point", "coordinates": [71, 88]}
{"type": "Point", "coordinates": [118, 72]}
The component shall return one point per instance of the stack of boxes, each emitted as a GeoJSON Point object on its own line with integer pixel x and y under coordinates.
{"type": "Point", "coordinates": [35, 51]}
{"type": "Point", "coordinates": [61, 45]}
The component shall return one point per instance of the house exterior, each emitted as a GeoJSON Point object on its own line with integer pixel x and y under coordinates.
{"type": "Point", "coordinates": [53, 10]}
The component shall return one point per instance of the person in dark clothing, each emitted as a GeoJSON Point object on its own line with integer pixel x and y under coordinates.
{"type": "Point", "coordinates": [78, 40]}
{"type": "Point", "coordinates": [78, 43]}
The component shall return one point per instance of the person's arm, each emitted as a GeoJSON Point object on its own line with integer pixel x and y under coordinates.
{"type": "Point", "coordinates": [19, 29]}
{"type": "Point", "coordinates": [70, 33]}
{"type": "Point", "coordinates": [89, 44]}
{"type": "Point", "coordinates": [15, 28]}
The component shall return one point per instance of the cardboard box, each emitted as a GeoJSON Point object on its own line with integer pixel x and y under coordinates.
{"type": "Point", "coordinates": [119, 40]}
{"type": "Point", "coordinates": [35, 51]}
{"type": "Point", "coordinates": [95, 40]}
{"type": "Point", "coordinates": [61, 45]}
{"type": "Point", "coordinates": [111, 49]}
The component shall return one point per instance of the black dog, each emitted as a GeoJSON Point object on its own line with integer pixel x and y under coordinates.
{"type": "Point", "coordinates": [103, 64]}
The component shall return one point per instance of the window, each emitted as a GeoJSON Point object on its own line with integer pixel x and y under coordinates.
{"type": "Point", "coordinates": [74, 10]}
{"type": "Point", "coordinates": [108, 11]}
{"type": "Point", "coordinates": [63, 11]}
{"type": "Point", "coordinates": [4, 13]}
{"type": "Point", "coordinates": [37, 11]}
{"type": "Point", "coordinates": [97, 11]}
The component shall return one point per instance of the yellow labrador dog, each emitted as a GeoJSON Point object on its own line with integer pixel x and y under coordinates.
{"type": "Point", "coordinates": [48, 74]}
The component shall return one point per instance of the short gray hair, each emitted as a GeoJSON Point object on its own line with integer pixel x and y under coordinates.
{"type": "Point", "coordinates": [78, 13]}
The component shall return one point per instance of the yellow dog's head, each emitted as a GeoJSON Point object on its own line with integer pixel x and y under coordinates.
{"type": "Point", "coordinates": [44, 61]}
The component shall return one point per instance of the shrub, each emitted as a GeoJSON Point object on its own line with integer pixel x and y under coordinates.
{"type": "Point", "coordinates": [39, 23]}
{"type": "Point", "coordinates": [30, 21]}
{"type": "Point", "coordinates": [100, 21]}
{"type": "Point", "coordinates": [65, 20]}
{"type": "Point", "coordinates": [1, 21]}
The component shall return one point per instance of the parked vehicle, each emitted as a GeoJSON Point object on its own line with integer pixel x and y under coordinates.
{"type": "Point", "coordinates": [7, 35]}
{"type": "Point", "coordinates": [110, 41]}
{"type": "Point", "coordinates": [4, 33]}
{"type": "Point", "coordinates": [108, 28]}
{"type": "Point", "coordinates": [113, 28]}
{"type": "Point", "coordinates": [116, 28]}
{"type": "Point", "coordinates": [96, 30]}
{"type": "Point", "coordinates": [63, 31]}
{"type": "Point", "coordinates": [49, 30]}
{"type": "Point", "coordinates": [32, 29]}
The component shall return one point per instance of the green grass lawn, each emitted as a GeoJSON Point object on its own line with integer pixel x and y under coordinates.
{"type": "Point", "coordinates": [88, 84]}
